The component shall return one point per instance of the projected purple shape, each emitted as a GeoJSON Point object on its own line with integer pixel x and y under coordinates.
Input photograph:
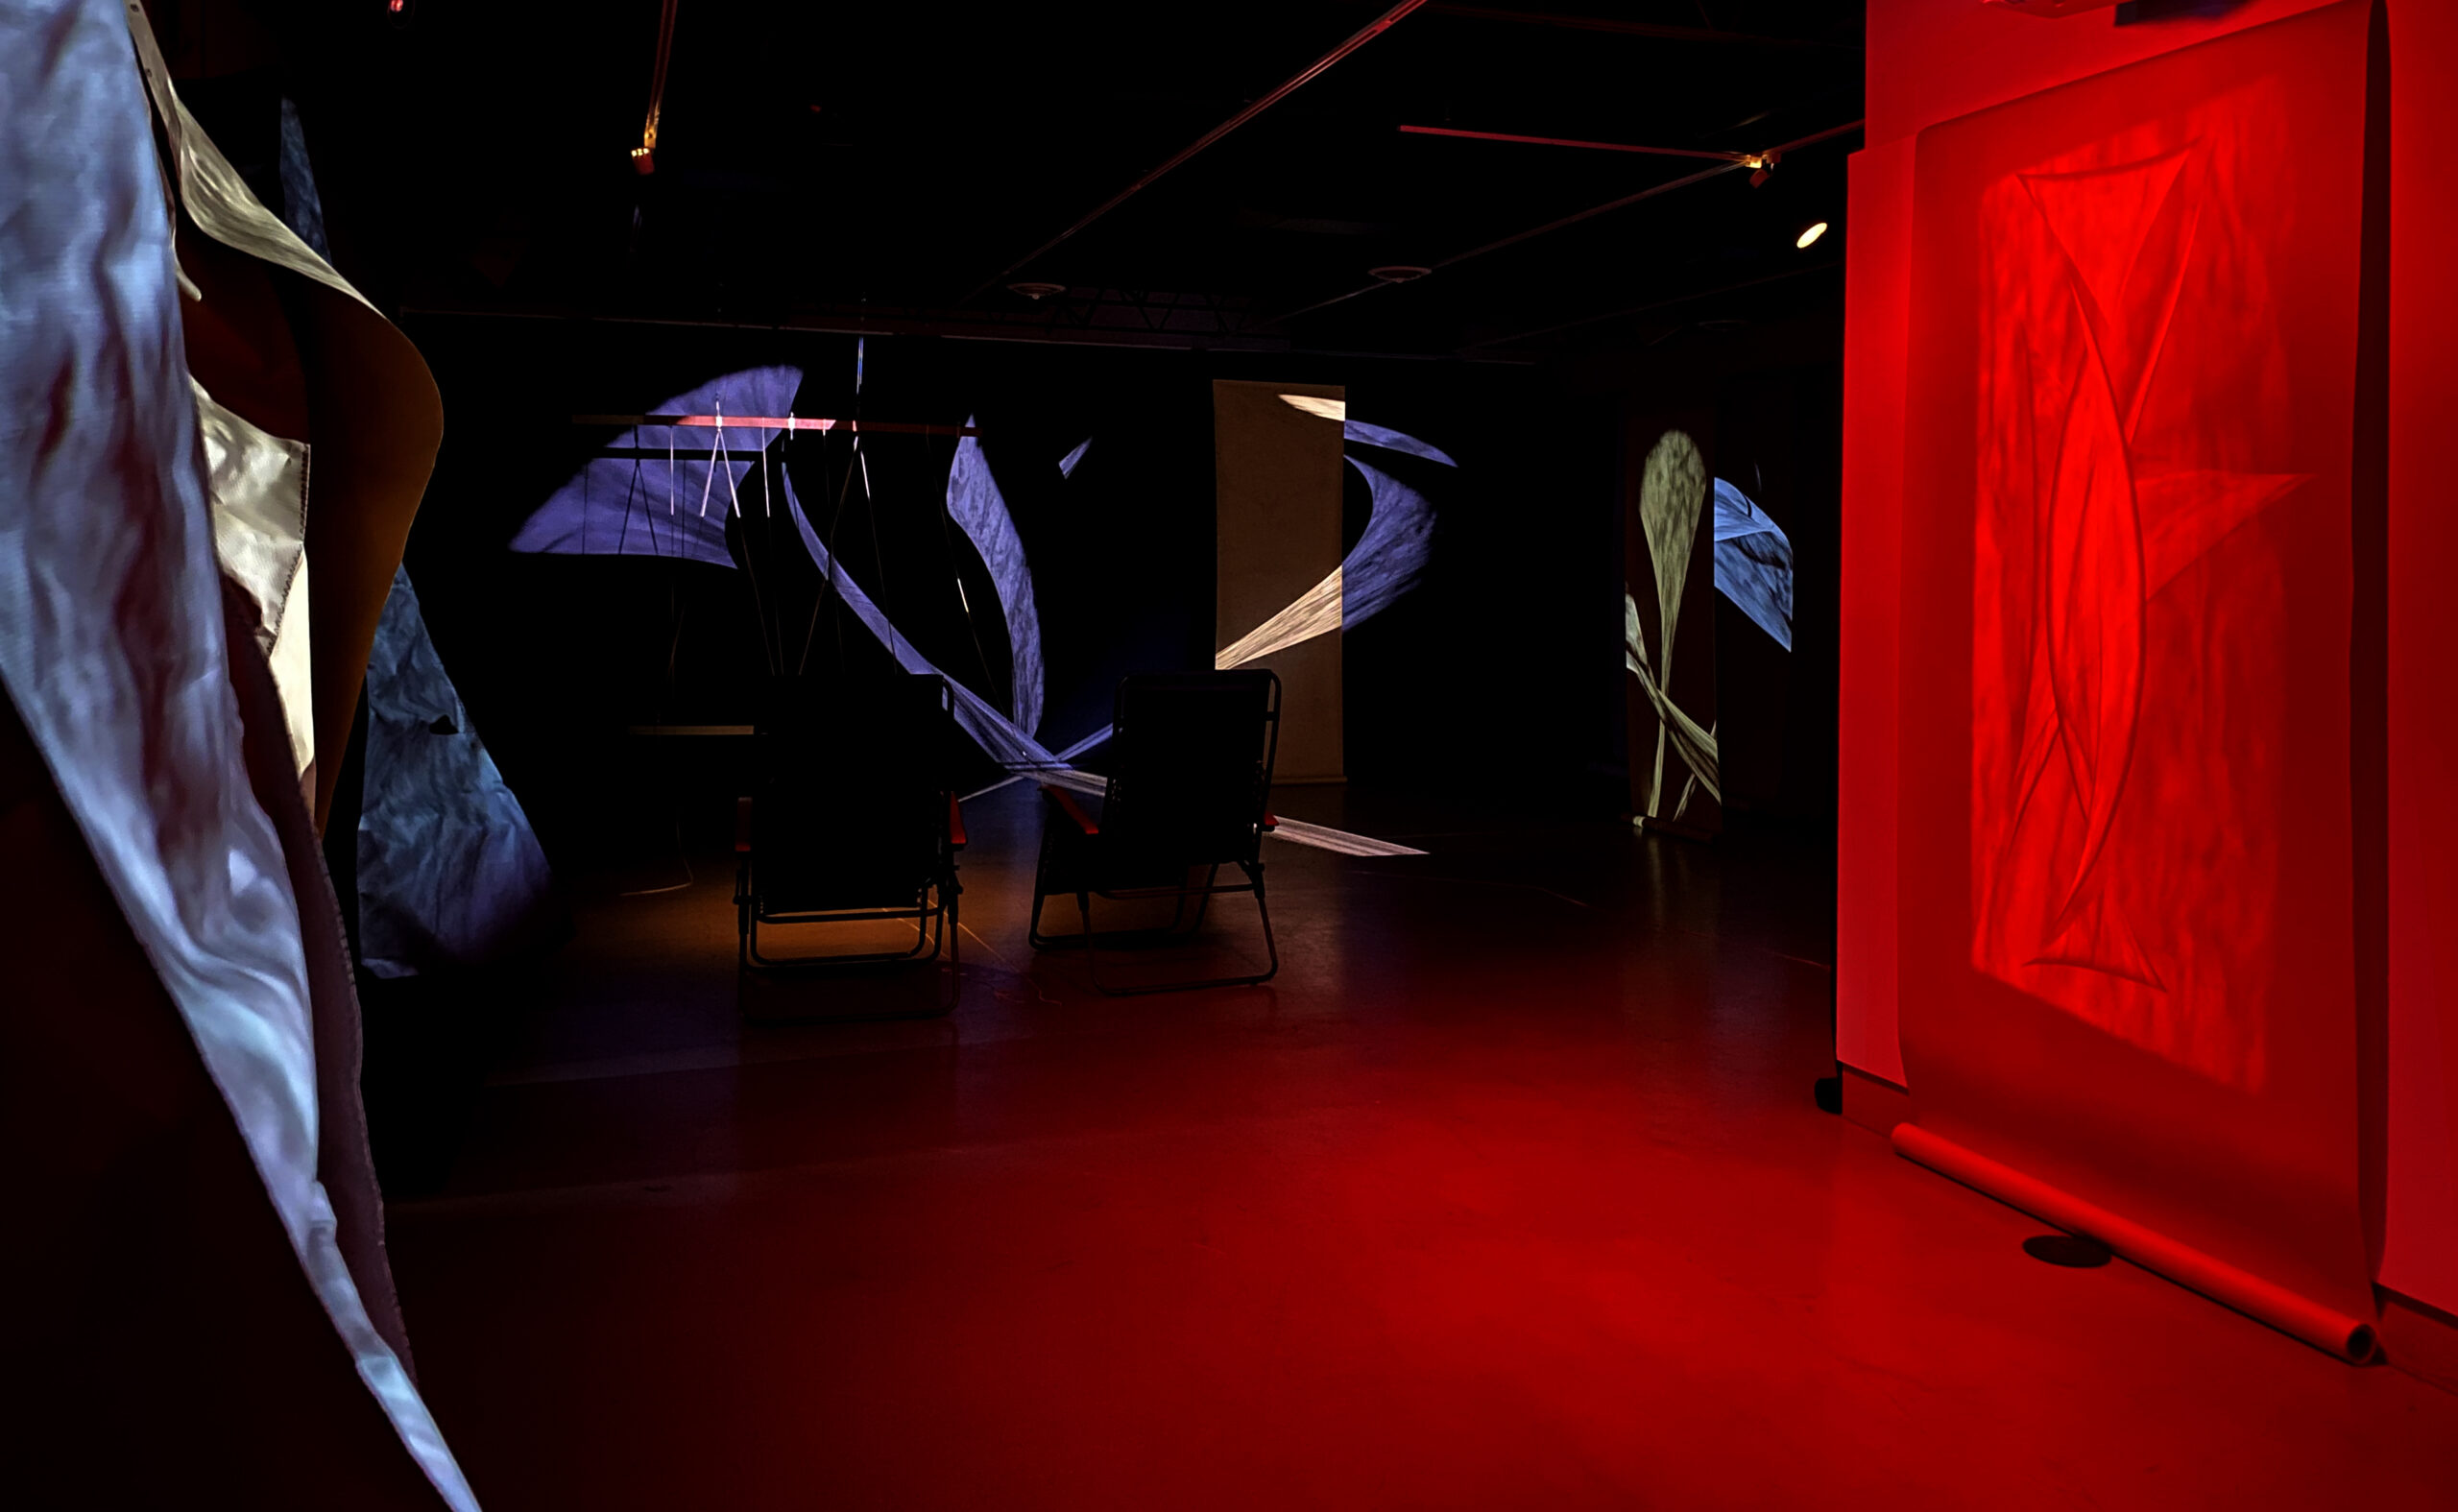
{"type": "Point", "coordinates": [1393, 440]}
{"type": "Point", "coordinates": [979, 509]}
{"type": "Point", "coordinates": [1067, 464]}
{"type": "Point", "coordinates": [639, 505]}
{"type": "Point", "coordinates": [1391, 556]}
{"type": "Point", "coordinates": [1753, 563]}
{"type": "Point", "coordinates": [992, 731]}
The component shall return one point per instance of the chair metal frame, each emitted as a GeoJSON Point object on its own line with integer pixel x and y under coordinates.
{"type": "Point", "coordinates": [1071, 813]}
{"type": "Point", "coordinates": [935, 911]}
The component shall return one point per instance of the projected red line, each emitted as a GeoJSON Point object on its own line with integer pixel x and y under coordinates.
{"type": "Point", "coordinates": [1573, 141]}
{"type": "Point", "coordinates": [772, 422]}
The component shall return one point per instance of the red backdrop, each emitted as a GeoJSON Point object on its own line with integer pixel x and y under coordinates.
{"type": "Point", "coordinates": [2127, 929]}
{"type": "Point", "coordinates": [1933, 60]}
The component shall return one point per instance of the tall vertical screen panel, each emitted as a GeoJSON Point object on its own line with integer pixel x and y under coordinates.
{"type": "Point", "coordinates": [1278, 479]}
{"type": "Point", "coordinates": [1669, 622]}
{"type": "Point", "coordinates": [2140, 719]}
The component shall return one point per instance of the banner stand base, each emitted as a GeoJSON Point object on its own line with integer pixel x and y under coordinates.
{"type": "Point", "coordinates": [2324, 1328]}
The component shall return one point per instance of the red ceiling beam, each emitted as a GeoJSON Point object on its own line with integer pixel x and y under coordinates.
{"type": "Point", "coordinates": [1740, 161]}
{"type": "Point", "coordinates": [1573, 141]}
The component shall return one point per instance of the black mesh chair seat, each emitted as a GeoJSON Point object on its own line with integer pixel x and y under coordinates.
{"type": "Point", "coordinates": [1191, 775]}
{"type": "Point", "coordinates": [851, 817]}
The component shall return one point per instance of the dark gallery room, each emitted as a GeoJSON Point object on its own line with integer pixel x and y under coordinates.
{"type": "Point", "coordinates": [1662, 754]}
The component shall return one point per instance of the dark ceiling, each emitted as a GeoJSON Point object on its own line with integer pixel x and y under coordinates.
{"type": "Point", "coordinates": [878, 166]}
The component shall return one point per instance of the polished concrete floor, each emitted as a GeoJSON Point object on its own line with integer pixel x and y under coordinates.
{"type": "Point", "coordinates": [1508, 1192]}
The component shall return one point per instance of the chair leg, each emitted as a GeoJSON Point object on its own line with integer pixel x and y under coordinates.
{"type": "Point", "coordinates": [1040, 893]}
{"type": "Point", "coordinates": [1092, 947]}
{"type": "Point", "coordinates": [1271, 948]}
{"type": "Point", "coordinates": [956, 944]}
{"type": "Point", "coordinates": [1203, 904]}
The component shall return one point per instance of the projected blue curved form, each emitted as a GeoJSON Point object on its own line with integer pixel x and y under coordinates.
{"type": "Point", "coordinates": [1067, 464]}
{"type": "Point", "coordinates": [1393, 440]}
{"type": "Point", "coordinates": [992, 731]}
{"type": "Point", "coordinates": [1753, 563]}
{"type": "Point", "coordinates": [639, 506]}
{"type": "Point", "coordinates": [1392, 556]}
{"type": "Point", "coordinates": [981, 512]}
{"type": "Point", "coordinates": [1388, 561]}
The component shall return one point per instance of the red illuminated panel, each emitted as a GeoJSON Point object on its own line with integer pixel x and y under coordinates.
{"type": "Point", "coordinates": [2129, 683]}
{"type": "Point", "coordinates": [2133, 949]}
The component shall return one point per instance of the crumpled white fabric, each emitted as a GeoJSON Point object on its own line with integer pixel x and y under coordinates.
{"type": "Point", "coordinates": [110, 615]}
{"type": "Point", "coordinates": [257, 485]}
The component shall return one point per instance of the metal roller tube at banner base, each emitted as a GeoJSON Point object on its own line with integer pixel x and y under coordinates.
{"type": "Point", "coordinates": [2324, 1328]}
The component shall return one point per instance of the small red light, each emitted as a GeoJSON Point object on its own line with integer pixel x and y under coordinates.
{"type": "Point", "coordinates": [395, 6]}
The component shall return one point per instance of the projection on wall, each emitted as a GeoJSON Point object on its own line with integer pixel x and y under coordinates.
{"type": "Point", "coordinates": [1388, 561]}
{"type": "Point", "coordinates": [450, 872]}
{"type": "Point", "coordinates": [2134, 950]}
{"type": "Point", "coordinates": [1754, 563]}
{"type": "Point", "coordinates": [1668, 632]}
{"type": "Point", "coordinates": [981, 512]}
{"type": "Point", "coordinates": [1277, 490]}
{"type": "Point", "coordinates": [645, 504]}
{"type": "Point", "coordinates": [630, 500]}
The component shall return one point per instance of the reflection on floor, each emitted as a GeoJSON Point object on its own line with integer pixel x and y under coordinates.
{"type": "Point", "coordinates": [1509, 1191]}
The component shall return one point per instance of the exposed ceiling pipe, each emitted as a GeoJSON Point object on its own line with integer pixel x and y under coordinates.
{"type": "Point", "coordinates": [1299, 80]}
{"type": "Point", "coordinates": [1572, 219]}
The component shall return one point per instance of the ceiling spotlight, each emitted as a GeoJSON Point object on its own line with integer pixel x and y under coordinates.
{"type": "Point", "coordinates": [1762, 167]}
{"type": "Point", "coordinates": [1810, 233]}
{"type": "Point", "coordinates": [1398, 272]}
{"type": "Point", "coordinates": [1037, 292]}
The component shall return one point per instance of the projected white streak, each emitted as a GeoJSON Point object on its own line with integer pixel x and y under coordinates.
{"type": "Point", "coordinates": [1298, 832]}
{"type": "Point", "coordinates": [1695, 747]}
{"type": "Point", "coordinates": [1316, 612]}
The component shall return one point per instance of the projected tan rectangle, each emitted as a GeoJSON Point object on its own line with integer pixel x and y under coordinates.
{"type": "Point", "coordinates": [1277, 478]}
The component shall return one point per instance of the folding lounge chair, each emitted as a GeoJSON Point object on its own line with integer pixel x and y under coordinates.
{"type": "Point", "coordinates": [852, 819]}
{"type": "Point", "coordinates": [1192, 763]}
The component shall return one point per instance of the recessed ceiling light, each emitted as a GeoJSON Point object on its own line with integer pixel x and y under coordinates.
{"type": "Point", "coordinates": [1810, 233]}
{"type": "Point", "coordinates": [1398, 272]}
{"type": "Point", "coordinates": [1037, 291]}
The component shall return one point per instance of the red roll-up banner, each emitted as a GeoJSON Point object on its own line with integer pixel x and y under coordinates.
{"type": "Point", "coordinates": [2139, 699]}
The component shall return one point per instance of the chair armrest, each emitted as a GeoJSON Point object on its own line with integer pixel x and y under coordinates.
{"type": "Point", "coordinates": [1270, 822]}
{"type": "Point", "coordinates": [956, 821]}
{"type": "Point", "coordinates": [1067, 805]}
{"type": "Point", "coordinates": [741, 824]}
